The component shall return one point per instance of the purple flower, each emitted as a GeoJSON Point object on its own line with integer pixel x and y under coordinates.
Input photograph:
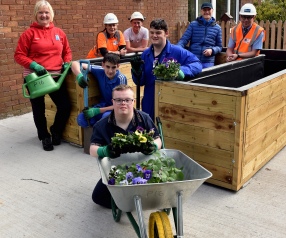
{"type": "Point", "coordinates": [139, 180]}
{"type": "Point", "coordinates": [111, 181]}
{"type": "Point", "coordinates": [139, 128]}
{"type": "Point", "coordinates": [147, 174]}
{"type": "Point", "coordinates": [129, 176]}
{"type": "Point", "coordinates": [124, 182]}
{"type": "Point", "coordinates": [155, 62]}
{"type": "Point", "coordinates": [138, 167]}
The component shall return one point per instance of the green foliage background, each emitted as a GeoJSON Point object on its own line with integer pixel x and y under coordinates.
{"type": "Point", "coordinates": [270, 10]}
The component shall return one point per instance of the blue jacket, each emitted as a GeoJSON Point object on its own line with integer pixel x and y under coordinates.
{"type": "Point", "coordinates": [203, 35]}
{"type": "Point", "coordinates": [190, 65]}
{"type": "Point", "coordinates": [106, 85]}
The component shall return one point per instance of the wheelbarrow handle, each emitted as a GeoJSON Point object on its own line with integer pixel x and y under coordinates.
{"type": "Point", "coordinates": [159, 124]}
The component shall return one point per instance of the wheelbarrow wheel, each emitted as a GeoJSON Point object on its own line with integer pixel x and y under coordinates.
{"type": "Point", "coordinates": [159, 225]}
{"type": "Point", "coordinates": [116, 212]}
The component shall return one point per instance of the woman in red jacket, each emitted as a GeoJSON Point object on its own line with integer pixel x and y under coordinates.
{"type": "Point", "coordinates": [41, 48]}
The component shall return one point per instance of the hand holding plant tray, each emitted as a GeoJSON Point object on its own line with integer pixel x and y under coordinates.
{"type": "Point", "coordinates": [138, 141]}
{"type": "Point", "coordinates": [167, 70]}
{"type": "Point", "coordinates": [161, 169]}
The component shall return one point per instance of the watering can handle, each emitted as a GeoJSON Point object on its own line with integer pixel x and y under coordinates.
{"type": "Point", "coordinates": [24, 91]}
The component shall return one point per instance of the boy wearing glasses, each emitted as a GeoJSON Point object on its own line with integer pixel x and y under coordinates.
{"type": "Point", "coordinates": [122, 119]}
{"type": "Point", "coordinates": [246, 38]}
{"type": "Point", "coordinates": [108, 77]}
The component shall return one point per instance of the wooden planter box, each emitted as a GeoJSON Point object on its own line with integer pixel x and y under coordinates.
{"type": "Point", "coordinates": [230, 119]}
{"type": "Point", "coordinates": [74, 133]}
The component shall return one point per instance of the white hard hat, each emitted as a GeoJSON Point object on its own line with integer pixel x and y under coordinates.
{"type": "Point", "coordinates": [110, 18]}
{"type": "Point", "coordinates": [248, 9]}
{"type": "Point", "coordinates": [137, 15]}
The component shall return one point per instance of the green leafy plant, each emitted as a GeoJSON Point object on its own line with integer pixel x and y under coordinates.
{"type": "Point", "coordinates": [167, 70]}
{"type": "Point", "coordinates": [138, 141]}
{"type": "Point", "coordinates": [158, 170]}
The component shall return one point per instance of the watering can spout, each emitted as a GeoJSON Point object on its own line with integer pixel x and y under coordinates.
{"type": "Point", "coordinates": [38, 86]}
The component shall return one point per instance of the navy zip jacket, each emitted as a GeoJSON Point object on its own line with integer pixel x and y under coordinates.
{"type": "Point", "coordinates": [203, 35]}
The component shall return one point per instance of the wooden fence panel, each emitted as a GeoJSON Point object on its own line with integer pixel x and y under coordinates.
{"type": "Point", "coordinates": [279, 34]}
{"type": "Point", "coordinates": [275, 37]}
{"type": "Point", "coordinates": [284, 35]}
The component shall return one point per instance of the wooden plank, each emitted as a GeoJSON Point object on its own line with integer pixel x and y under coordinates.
{"type": "Point", "coordinates": [263, 111]}
{"type": "Point", "coordinates": [196, 117]}
{"type": "Point", "coordinates": [219, 183]}
{"type": "Point", "coordinates": [197, 99]}
{"type": "Point", "coordinates": [239, 141]}
{"type": "Point", "coordinates": [266, 92]}
{"type": "Point", "coordinates": [219, 173]}
{"type": "Point", "coordinates": [258, 130]}
{"type": "Point", "coordinates": [189, 86]}
{"type": "Point", "coordinates": [273, 34]}
{"type": "Point", "coordinates": [279, 34]}
{"type": "Point", "coordinates": [261, 144]}
{"type": "Point", "coordinates": [204, 136]}
{"type": "Point", "coordinates": [201, 153]}
{"type": "Point", "coordinates": [263, 157]}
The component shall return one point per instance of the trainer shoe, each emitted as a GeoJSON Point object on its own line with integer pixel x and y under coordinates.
{"type": "Point", "coordinates": [56, 137]}
{"type": "Point", "coordinates": [47, 144]}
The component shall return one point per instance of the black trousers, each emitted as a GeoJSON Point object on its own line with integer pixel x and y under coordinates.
{"type": "Point", "coordinates": [62, 102]}
{"type": "Point", "coordinates": [101, 195]}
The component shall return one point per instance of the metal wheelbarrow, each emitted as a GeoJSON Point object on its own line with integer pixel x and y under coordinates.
{"type": "Point", "coordinates": [156, 195]}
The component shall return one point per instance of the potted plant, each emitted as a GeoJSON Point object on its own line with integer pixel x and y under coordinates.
{"type": "Point", "coordinates": [167, 70]}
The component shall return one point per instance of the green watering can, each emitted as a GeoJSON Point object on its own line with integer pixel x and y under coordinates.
{"type": "Point", "coordinates": [41, 85]}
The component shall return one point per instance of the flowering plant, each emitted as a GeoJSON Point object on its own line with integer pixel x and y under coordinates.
{"type": "Point", "coordinates": [138, 141]}
{"type": "Point", "coordinates": [158, 170]}
{"type": "Point", "coordinates": [167, 70]}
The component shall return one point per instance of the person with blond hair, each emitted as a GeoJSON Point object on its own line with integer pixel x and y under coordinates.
{"type": "Point", "coordinates": [44, 48]}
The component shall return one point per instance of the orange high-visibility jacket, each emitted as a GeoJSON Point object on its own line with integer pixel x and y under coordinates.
{"type": "Point", "coordinates": [112, 44]}
{"type": "Point", "coordinates": [244, 44]}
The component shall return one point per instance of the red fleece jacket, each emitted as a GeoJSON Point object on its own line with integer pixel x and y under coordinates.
{"type": "Point", "coordinates": [48, 46]}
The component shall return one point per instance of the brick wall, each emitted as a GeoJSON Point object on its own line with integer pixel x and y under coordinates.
{"type": "Point", "coordinates": [81, 20]}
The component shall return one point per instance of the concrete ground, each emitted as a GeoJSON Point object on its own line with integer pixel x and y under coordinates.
{"type": "Point", "coordinates": [48, 194]}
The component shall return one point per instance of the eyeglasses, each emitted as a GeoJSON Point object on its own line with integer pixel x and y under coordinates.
{"type": "Point", "coordinates": [247, 17]}
{"type": "Point", "coordinates": [119, 101]}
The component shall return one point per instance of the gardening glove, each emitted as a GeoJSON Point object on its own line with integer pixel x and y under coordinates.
{"type": "Point", "coordinates": [150, 149]}
{"type": "Point", "coordinates": [39, 69]}
{"type": "Point", "coordinates": [136, 63]}
{"type": "Point", "coordinates": [65, 66]}
{"type": "Point", "coordinates": [180, 76]}
{"type": "Point", "coordinates": [80, 80]}
{"type": "Point", "coordinates": [91, 112]}
{"type": "Point", "coordinates": [107, 151]}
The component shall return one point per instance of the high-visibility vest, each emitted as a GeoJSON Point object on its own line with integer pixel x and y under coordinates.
{"type": "Point", "coordinates": [244, 44]}
{"type": "Point", "coordinates": [94, 52]}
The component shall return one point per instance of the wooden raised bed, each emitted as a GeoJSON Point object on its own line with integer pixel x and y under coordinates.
{"type": "Point", "coordinates": [74, 133]}
{"type": "Point", "coordinates": [230, 119]}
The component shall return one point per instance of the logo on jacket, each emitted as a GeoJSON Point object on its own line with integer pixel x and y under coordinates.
{"type": "Point", "coordinates": [246, 40]}
{"type": "Point", "coordinates": [57, 37]}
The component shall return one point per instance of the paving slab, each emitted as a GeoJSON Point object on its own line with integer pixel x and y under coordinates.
{"type": "Point", "coordinates": [48, 195]}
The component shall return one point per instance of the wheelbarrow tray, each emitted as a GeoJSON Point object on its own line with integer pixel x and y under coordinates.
{"type": "Point", "coordinates": [154, 195]}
